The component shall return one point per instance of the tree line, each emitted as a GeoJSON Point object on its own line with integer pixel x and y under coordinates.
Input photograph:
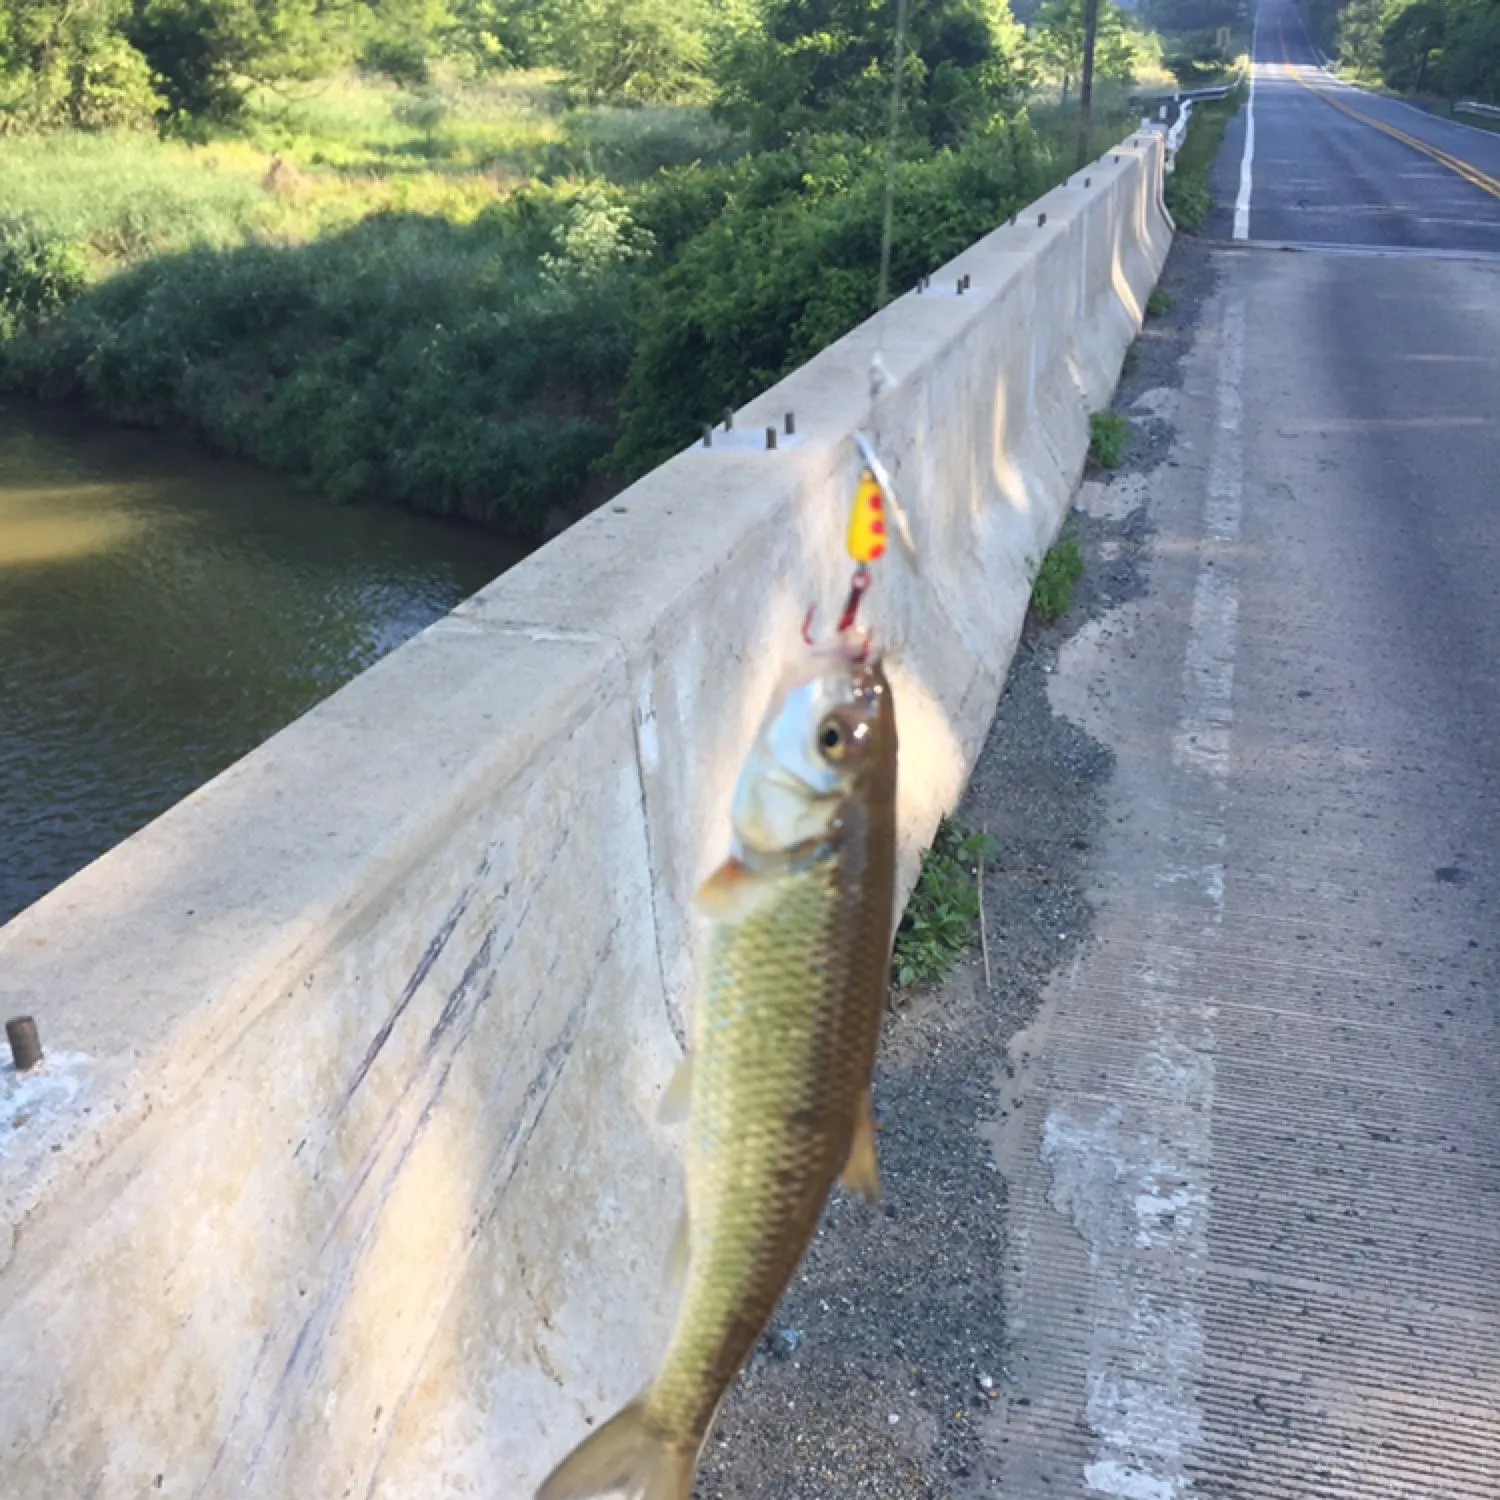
{"type": "Point", "coordinates": [775, 68]}
{"type": "Point", "coordinates": [1436, 47]}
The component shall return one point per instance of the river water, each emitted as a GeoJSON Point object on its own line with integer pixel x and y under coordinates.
{"type": "Point", "coordinates": [162, 613]}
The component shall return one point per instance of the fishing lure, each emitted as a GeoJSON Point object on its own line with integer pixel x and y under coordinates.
{"type": "Point", "coordinates": [873, 516]}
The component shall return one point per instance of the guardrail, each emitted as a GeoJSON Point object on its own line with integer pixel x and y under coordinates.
{"type": "Point", "coordinates": [1185, 100]}
{"type": "Point", "coordinates": [1474, 107]}
{"type": "Point", "coordinates": [1178, 134]}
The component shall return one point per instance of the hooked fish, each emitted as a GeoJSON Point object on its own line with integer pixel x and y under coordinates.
{"type": "Point", "coordinates": [784, 1032]}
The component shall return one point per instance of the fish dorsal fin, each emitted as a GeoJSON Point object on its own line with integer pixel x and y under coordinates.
{"type": "Point", "coordinates": [862, 1169]}
{"type": "Point", "coordinates": [676, 1100]}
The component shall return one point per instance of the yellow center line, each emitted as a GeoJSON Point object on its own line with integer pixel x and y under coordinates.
{"type": "Point", "coordinates": [1466, 170]}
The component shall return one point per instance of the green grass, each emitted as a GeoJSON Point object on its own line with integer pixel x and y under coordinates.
{"type": "Point", "coordinates": [1111, 119]}
{"type": "Point", "coordinates": [1158, 304]}
{"type": "Point", "coordinates": [942, 913]}
{"type": "Point", "coordinates": [1187, 192]}
{"type": "Point", "coordinates": [1052, 591]}
{"type": "Point", "coordinates": [518, 126]}
{"type": "Point", "coordinates": [1107, 434]}
{"type": "Point", "coordinates": [127, 196]}
{"type": "Point", "coordinates": [357, 147]}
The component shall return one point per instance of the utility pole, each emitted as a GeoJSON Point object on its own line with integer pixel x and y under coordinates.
{"type": "Point", "coordinates": [1086, 85]}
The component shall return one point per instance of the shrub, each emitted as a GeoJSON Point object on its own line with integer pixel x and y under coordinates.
{"type": "Point", "coordinates": [39, 276]}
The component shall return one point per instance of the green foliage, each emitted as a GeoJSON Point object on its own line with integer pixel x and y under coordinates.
{"type": "Point", "coordinates": [1107, 434]}
{"type": "Point", "coordinates": [1471, 50]}
{"type": "Point", "coordinates": [943, 909]}
{"type": "Point", "coordinates": [423, 110]}
{"type": "Point", "coordinates": [1182, 17]}
{"type": "Point", "coordinates": [38, 276]}
{"type": "Point", "coordinates": [124, 197]}
{"type": "Point", "coordinates": [68, 66]}
{"type": "Point", "coordinates": [1056, 39]}
{"type": "Point", "coordinates": [1409, 42]}
{"type": "Point", "coordinates": [636, 51]}
{"type": "Point", "coordinates": [1200, 38]}
{"type": "Point", "coordinates": [1158, 304]}
{"type": "Point", "coordinates": [451, 288]}
{"type": "Point", "coordinates": [1052, 590]}
{"type": "Point", "coordinates": [407, 358]}
{"type": "Point", "coordinates": [817, 66]}
{"type": "Point", "coordinates": [766, 284]}
{"type": "Point", "coordinates": [1434, 47]}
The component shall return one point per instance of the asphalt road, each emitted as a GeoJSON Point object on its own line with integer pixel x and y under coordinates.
{"type": "Point", "coordinates": [1253, 1138]}
{"type": "Point", "coordinates": [1336, 165]}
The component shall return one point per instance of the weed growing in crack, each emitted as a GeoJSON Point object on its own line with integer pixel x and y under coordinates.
{"type": "Point", "coordinates": [943, 910]}
{"type": "Point", "coordinates": [1107, 434]}
{"type": "Point", "coordinates": [1052, 592]}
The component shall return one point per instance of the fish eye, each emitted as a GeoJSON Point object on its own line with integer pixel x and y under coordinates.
{"type": "Point", "coordinates": [832, 740]}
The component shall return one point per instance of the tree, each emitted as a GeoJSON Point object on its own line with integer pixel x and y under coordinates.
{"type": "Point", "coordinates": [204, 51]}
{"type": "Point", "coordinates": [1360, 26]}
{"type": "Point", "coordinates": [66, 64]}
{"type": "Point", "coordinates": [1470, 65]}
{"type": "Point", "coordinates": [1056, 42]}
{"type": "Point", "coordinates": [1408, 43]}
{"type": "Point", "coordinates": [635, 51]}
{"type": "Point", "coordinates": [401, 37]}
{"type": "Point", "coordinates": [825, 65]}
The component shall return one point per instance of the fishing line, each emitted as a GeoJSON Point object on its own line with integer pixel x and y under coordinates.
{"type": "Point", "coordinates": [888, 215]}
{"type": "Point", "coordinates": [875, 506]}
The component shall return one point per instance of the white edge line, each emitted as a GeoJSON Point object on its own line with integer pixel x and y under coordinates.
{"type": "Point", "coordinates": [1247, 161]}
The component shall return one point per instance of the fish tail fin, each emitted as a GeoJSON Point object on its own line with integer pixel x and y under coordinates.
{"type": "Point", "coordinates": [862, 1169]}
{"type": "Point", "coordinates": [625, 1456]}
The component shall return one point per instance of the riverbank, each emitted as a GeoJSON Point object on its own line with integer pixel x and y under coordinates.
{"type": "Point", "coordinates": [486, 306]}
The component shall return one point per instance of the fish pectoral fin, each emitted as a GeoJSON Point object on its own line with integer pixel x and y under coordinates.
{"type": "Point", "coordinates": [678, 1095]}
{"type": "Point", "coordinates": [732, 892]}
{"type": "Point", "coordinates": [678, 1255]}
{"type": "Point", "coordinates": [862, 1168]}
{"type": "Point", "coordinates": [623, 1456]}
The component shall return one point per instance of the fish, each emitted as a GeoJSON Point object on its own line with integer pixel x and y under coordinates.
{"type": "Point", "coordinates": [784, 1031]}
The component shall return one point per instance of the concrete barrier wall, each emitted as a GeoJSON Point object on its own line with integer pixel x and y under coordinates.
{"type": "Point", "coordinates": [342, 1177]}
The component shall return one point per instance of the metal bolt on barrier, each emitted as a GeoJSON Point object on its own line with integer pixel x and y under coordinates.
{"type": "Point", "coordinates": [1041, 220]}
{"type": "Point", "coordinates": [25, 1044]}
{"type": "Point", "coordinates": [708, 435]}
{"type": "Point", "coordinates": [728, 418]}
{"type": "Point", "coordinates": [770, 437]}
{"type": "Point", "coordinates": [791, 423]}
{"type": "Point", "coordinates": [1088, 182]}
{"type": "Point", "coordinates": [960, 286]}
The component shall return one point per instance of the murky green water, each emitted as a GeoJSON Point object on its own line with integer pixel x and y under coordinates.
{"type": "Point", "coordinates": [162, 613]}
